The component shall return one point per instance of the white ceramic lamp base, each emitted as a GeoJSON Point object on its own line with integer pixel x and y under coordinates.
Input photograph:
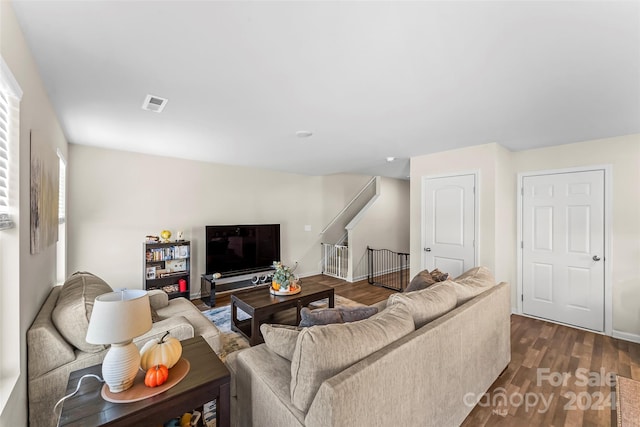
{"type": "Point", "coordinates": [120, 366]}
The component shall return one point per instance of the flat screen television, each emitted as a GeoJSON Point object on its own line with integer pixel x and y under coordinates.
{"type": "Point", "coordinates": [233, 250]}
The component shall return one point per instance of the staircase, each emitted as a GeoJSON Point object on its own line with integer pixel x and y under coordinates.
{"type": "Point", "coordinates": [335, 236]}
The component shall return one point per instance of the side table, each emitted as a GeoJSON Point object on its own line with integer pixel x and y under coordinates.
{"type": "Point", "coordinates": [208, 379]}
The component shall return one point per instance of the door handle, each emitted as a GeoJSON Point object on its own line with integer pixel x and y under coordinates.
{"type": "Point", "coordinates": [427, 249]}
{"type": "Point", "coordinates": [596, 258]}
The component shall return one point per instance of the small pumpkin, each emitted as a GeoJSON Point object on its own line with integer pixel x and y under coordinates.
{"type": "Point", "coordinates": [166, 351]}
{"type": "Point", "coordinates": [156, 375]}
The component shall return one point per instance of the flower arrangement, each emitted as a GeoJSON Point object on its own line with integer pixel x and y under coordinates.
{"type": "Point", "coordinates": [283, 277]}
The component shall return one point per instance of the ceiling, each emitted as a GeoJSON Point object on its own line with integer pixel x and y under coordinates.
{"type": "Point", "coordinates": [370, 79]}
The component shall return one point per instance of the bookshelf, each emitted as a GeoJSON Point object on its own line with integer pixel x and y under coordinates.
{"type": "Point", "coordinates": [167, 266]}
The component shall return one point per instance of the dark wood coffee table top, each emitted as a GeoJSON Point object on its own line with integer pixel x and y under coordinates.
{"type": "Point", "coordinates": [208, 379]}
{"type": "Point", "coordinates": [260, 297]}
{"type": "Point", "coordinates": [261, 305]}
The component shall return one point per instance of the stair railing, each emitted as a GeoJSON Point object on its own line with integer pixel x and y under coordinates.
{"type": "Point", "coordinates": [387, 268]}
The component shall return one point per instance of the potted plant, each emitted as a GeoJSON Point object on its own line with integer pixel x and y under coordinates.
{"type": "Point", "coordinates": [283, 277]}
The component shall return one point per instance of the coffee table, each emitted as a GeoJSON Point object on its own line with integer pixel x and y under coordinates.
{"type": "Point", "coordinates": [208, 379]}
{"type": "Point", "coordinates": [261, 305]}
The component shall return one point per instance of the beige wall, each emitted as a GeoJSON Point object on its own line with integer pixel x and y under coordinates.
{"type": "Point", "coordinates": [498, 169]}
{"type": "Point", "coordinates": [384, 225]}
{"type": "Point", "coordinates": [37, 273]}
{"type": "Point", "coordinates": [116, 198]}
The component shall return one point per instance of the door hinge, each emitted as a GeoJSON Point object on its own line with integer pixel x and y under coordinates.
{"type": "Point", "coordinates": [521, 244]}
{"type": "Point", "coordinates": [521, 297]}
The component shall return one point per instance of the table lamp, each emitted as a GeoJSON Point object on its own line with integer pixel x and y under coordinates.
{"type": "Point", "coordinates": [116, 319]}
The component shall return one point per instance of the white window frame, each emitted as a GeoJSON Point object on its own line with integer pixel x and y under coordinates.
{"type": "Point", "coordinates": [61, 246]}
{"type": "Point", "coordinates": [10, 354]}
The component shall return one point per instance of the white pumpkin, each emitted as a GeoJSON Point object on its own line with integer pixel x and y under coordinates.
{"type": "Point", "coordinates": [165, 351]}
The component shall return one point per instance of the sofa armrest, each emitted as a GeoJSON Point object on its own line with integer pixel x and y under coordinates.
{"type": "Point", "coordinates": [177, 326]}
{"type": "Point", "coordinates": [380, 305]}
{"type": "Point", "coordinates": [158, 298]}
{"type": "Point", "coordinates": [46, 348]}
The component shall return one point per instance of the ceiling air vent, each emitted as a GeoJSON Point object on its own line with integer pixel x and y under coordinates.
{"type": "Point", "coordinates": [154, 103]}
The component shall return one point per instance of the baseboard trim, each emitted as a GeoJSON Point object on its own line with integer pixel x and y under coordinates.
{"type": "Point", "coordinates": [627, 336]}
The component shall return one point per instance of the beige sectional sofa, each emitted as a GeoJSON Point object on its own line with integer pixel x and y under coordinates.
{"type": "Point", "coordinates": [423, 360]}
{"type": "Point", "coordinates": [52, 354]}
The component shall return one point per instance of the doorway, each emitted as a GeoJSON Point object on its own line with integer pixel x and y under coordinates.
{"type": "Point", "coordinates": [563, 245]}
{"type": "Point", "coordinates": [449, 223]}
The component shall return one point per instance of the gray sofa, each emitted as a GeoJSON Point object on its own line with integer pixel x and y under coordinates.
{"type": "Point", "coordinates": [51, 357]}
{"type": "Point", "coordinates": [429, 373]}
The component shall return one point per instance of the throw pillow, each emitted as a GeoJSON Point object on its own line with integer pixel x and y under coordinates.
{"type": "Point", "coordinates": [422, 281]}
{"type": "Point", "coordinates": [439, 276]}
{"type": "Point", "coordinates": [281, 339]}
{"type": "Point", "coordinates": [74, 306]}
{"type": "Point", "coordinates": [472, 283]}
{"type": "Point", "coordinates": [322, 352]}
{"type": "Point", "coordinates": [327, 316]}
{"type": "Point", "coordinates": [427, 304]}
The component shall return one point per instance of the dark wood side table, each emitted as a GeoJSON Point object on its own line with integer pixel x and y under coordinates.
{"type": "Point", "coordinates": [208, 379]}
{"type": "Point", "coordinates": [260, 305]}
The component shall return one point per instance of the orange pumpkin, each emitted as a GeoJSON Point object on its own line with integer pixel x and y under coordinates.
{"type": "Point", "coordinates": [156, 375]}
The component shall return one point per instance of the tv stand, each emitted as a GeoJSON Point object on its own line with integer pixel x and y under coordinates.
{"type": "Point", "coordinates": [209, 286]}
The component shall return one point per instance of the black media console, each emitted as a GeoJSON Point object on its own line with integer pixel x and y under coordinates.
{"type": "Point", "coordinates": [209, 288]}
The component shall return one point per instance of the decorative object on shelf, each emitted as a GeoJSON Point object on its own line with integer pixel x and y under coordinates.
{"type": "Point", "coordinates": [171, 288]}
{"type": "Point", "coordinates": [151, 272]}
{"type": "Point", "coordinates": [116, 319]}
{"type": "Point", "coordinates": [156, 375]}
{"type": "Point", "coordinates": [182, 284]}
{"type": "Point", "coordinates": [166, 235]}
{"type": "Point", "coordinates": [284, 282]}
{"type": "Point", "coordinates": [164, 351]}
{"type": "Point", "coordinates": [179, 236]}
{"type": "Point", "coordinates": [151, 239]}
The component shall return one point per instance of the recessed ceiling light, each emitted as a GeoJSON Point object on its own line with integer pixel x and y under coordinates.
{"type": "Point", "coordinates": [154, 103]}
{"type": "Point", "coordinates": [304, 133]}
{"type": "Point", "coordinates": [390, 159]}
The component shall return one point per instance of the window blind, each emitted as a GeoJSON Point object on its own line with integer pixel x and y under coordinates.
{"type": "Point", "coordinates": [5, 221]}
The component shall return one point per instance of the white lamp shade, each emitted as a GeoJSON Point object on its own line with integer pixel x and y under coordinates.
{"type": "Point", "coordinates": [118, 317]}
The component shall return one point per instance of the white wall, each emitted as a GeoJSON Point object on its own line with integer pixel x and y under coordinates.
{"type": "Point", "coordinates": [37, 273]}
{"type": "Point", "coordinates": [481, 159]}
{"type": "Point", "coordinates": [384, 225]}
{"type": "Point", "coordinates": [116, 198]}
{"type": "Point", "coordinates": [498, 214]}
{"type": "Point", "coordinates": [623, 154]}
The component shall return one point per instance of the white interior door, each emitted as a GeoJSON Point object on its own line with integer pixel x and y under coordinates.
{"type": "Point", "coordinates": [449, 224]}
{"type": "Point", "coordinates": [563, 248]}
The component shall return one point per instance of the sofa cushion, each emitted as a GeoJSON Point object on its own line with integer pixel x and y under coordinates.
{"type": "Point", "coordinates": [427, 304]}
{"type": "Point", "coordinates": [326, 316]}
{"type": "Point", "coordinates": [281, 339]}
{"type": "Point", "coordinates": [321, 352]}
{"type": "Point", "coordinates": [73, 309]}
{"type": "Point", "coordinates": [471, 283]}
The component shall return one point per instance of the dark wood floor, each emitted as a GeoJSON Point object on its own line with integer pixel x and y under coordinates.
{"type": "Point", "coordinates": [558, 376]}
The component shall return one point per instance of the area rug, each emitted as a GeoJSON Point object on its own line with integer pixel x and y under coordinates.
{"type": "Point", "coordinates": [627, 402]}
{"type": "Point", "coordinates": [233, 341]}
